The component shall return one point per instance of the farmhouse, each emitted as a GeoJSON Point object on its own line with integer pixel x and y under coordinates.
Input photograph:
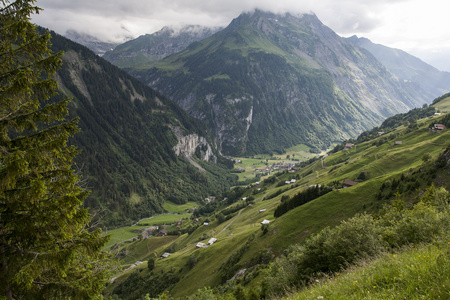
{"type": "Point", "coordinates": [439, 126]}
{"type": "Point", "coordinates": [348, 183]}
{"type": "Point", "coordinates": [201, 245]}
{"type": "Point", "coordinates": [398, 143]}
{"type": "Point", "coordinates": [212, 241]}
{"type": "Point", "coordinates": [262, 210]}
{"type": "Point", "coordinates": [165, 255]}
{"type": "Point", "coordinates": [264, 222]}
{"type": "Point", "coordinates": [148, 231]}
{"type": "Point", "coordinates": [162, 232]}
{"type": "Point", "coordinates": [348, 146]}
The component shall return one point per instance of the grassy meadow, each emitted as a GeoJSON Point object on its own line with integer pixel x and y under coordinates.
{"type": "Point", "coordinates": [412, 273]}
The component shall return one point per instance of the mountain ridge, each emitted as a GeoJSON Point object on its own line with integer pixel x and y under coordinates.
{"type": "Point", "coordinates": [407, 67]}
{"type": "Point", "coordinates": [150, 48]}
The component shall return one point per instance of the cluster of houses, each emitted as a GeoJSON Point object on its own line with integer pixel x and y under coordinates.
{"type": "Point", "coordinates": [277, 167]}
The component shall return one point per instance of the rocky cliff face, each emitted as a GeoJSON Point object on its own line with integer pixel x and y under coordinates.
{"type": "Point", "coordinates": [193, 145]}
{"type": "Point", "coordinates": [267, 82]}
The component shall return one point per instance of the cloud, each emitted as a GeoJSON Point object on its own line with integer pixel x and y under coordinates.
{"type": "Point", "coordinates": [117, 19]}
{"type": "Point", "coordinates": [406, 24]}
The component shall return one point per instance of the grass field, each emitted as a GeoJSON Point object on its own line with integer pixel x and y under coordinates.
{"type": "Point", "coordinates": [126, 233]}
{"type": "Point", "coordinates": [443, 105]}
{"type": "Point", "coordinates": [178, 208]}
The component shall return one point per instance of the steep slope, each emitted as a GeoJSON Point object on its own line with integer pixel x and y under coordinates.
{"type": "Point", "coordinates": [269, 81]}
{"type": "Point", "coordinates": [137, 146]}
{"type": "Point", "coordinates": [428, 81]}
{"type": "Point", "coordinates": [147, 49]}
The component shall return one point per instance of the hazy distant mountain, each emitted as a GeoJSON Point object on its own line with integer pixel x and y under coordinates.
{"type": "Point", "coordinates": [97, 46]}
{"type": "Point", "coordinates": [139, 149]}
{"type": "Point", "coordinates": [267, 82]}
{"type": "Point", "coordinates": [428, 80]}
{"type": "Point", "coordinates": [150, 48]}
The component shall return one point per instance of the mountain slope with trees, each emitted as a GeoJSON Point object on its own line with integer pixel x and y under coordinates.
{"type": "Point", "coordinates": [128, 135]}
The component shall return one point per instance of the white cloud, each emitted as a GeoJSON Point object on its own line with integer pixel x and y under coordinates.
{"type": "Point", "coordinates": [411, 25]}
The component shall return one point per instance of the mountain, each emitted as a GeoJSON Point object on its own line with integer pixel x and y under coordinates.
{"type": "Point", "coordinates": [268, 81]}
{"type": "Point", "coordinates": [429, 81]}
{"type": "Point", "coordinates": [149, 48]}
{"type": "Point", "coordinates": [139, 150]}
{"type": "Point", "coordinates": [94, 44]}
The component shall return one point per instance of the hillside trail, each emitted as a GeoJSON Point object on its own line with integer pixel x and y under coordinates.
{"type": "Point", "coordinates": [231, 221]}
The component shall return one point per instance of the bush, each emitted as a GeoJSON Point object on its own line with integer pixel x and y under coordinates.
{"type": "Point", "coordinates": [151, 264]}
{"type": "Point", "coordinates": [333, 249]}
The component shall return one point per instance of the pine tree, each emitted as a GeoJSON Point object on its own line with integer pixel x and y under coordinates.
{"type": "Point", "coordinates": [46, 249]}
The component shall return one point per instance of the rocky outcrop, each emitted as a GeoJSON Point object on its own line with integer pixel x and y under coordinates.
{"type": "Point", "coordinates": [193, 145]}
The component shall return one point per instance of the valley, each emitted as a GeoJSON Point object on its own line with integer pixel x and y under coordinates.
{"type": "Point", "coordinates": [267, 159]}
{"type": "Point", "coordinates": [279, 180]}
{"type": "Point", "coordinates": [242, 247]}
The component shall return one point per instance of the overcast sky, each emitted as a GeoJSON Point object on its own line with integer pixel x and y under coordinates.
{"type": "Point", "coordinates": [416, 26]}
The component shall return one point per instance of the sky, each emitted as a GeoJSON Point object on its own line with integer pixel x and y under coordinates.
{"type": "Point", "coordinates": [415, 26]}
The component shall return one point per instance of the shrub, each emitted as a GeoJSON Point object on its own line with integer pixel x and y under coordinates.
{"type": "Point", "coordinates": [333, 249]}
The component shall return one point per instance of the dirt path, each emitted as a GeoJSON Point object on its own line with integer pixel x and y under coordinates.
{"type": "Point", "coordinates": [231, 221]}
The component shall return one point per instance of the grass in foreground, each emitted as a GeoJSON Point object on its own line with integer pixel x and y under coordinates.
{"type": "Point", "coordinates": [414, 273]}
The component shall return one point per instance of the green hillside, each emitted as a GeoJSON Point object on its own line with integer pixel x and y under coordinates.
{"type": "Point", "coordinates": [383, 171]}
{"type": "Point", "coordinates": [128, 137]}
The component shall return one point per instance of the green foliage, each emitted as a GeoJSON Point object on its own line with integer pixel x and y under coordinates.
{"type": "Point", "coordinates": [301, 198]}
{"type": "Point", "coordinates": [412, 273]}
{"type": "Point", "coordinates": [151, 264]}
{"type": "Point", "coordinates": [410, 118]}
{"type": "Point", "coordinates": [362, 236]}
{"type": "Point", "coordinates": [46, 249]}
{"type": "Point", "coordinates": [142, 283]}
{"type": "Point", "coordinates": [426, 157]}
{"type": "Point", "coordinates": [231, 266]}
